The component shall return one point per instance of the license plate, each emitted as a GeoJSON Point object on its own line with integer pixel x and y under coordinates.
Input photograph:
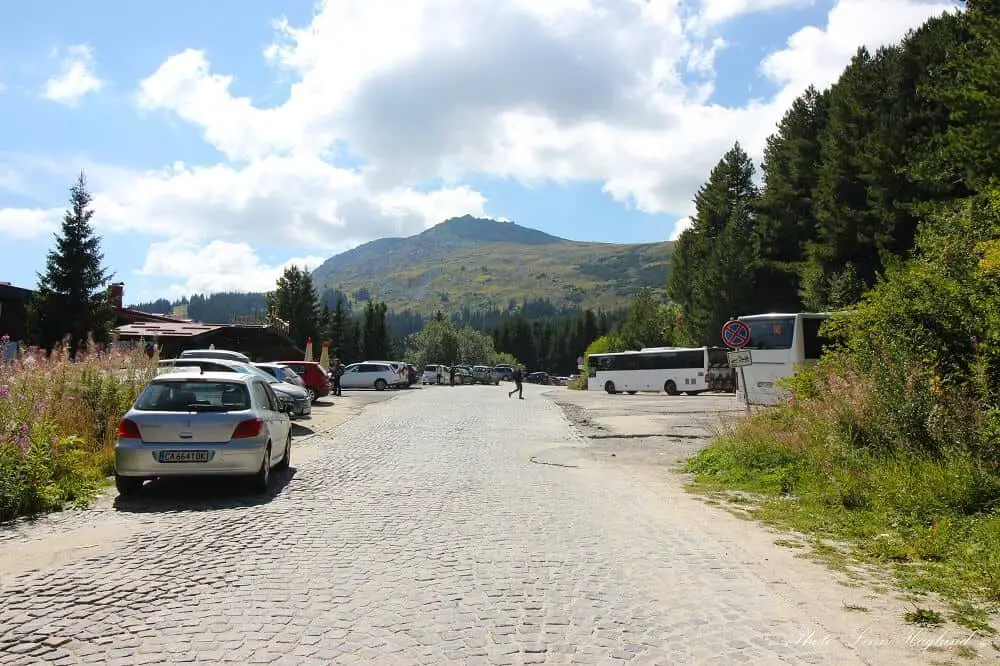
{"type": "Point", "coordinates": [183, 456]}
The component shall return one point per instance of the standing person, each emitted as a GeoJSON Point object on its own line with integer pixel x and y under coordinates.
{"type": "Point", "coordinates": [518, 386]}
{"type": "Point", "coordinates": [336, 372]}
{"type": "Point", "coordinates": [439, 378]}
{"type": "Point", "coordinates": [451, 372]}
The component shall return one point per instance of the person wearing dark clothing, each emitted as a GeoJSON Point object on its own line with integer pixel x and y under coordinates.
{"type": "Point", "coordinates": [452, 375]}
{"type": "Point", "coordinates": [518, 386]}
{"type": "Point", "coordinates": [336, 372]}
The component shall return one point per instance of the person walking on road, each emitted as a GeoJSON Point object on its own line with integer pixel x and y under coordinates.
{"type": "Point", "coordinates": [518, 386]}
{"type": "Point", "coordinates": [336, 372]}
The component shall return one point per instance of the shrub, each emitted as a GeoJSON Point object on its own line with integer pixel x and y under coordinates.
{"type": "Point", "coordinates": [58, 423]}
{"type": "Point", "coordinates": [892, 441]}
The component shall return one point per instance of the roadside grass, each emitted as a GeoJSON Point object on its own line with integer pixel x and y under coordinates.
{"type": "Point", "coordinates": [58, 425]}
{"type": "Point", "coordinates": [931, 519]}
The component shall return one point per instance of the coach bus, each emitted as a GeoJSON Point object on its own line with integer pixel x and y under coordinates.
{"type": "Point", "coordinates": [780, 344]}
{"type": "Point", "coordinates": [672, 370]}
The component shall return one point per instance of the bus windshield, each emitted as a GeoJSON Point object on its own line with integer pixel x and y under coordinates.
{"type": "Point", "coordinates": [771, 333]}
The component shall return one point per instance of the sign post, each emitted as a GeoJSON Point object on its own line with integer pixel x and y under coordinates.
{"type": "Point", "coordinates": [736, 335]}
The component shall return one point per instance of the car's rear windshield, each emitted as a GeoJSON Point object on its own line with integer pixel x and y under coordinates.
{"type": "Point", "coordinates": [196, 395]}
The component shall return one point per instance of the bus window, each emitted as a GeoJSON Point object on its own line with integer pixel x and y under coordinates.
{"type": "Point", "coordinates": [690, 359]}
{"type": "Point", "coordinates": [771, 333]}
{"type": "Point", "coordinates": [606, 363]}
{"type": "Point", "coordinates": [812, 342]}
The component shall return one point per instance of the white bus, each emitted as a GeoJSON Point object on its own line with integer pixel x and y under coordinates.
{"type": "Point", "coordinates": [780, 344]}
{"type": "Point", "coordinates": [672, 370]}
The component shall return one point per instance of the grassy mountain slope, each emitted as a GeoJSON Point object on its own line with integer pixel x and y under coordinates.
{"type": "Point", "coordinates": [476, 263]}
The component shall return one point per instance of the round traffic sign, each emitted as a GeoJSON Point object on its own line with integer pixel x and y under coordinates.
{"type": "Point", "coordinates": [736, 334]}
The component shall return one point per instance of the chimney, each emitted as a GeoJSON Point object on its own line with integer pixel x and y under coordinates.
{"type": "Point", "coordinates": [116, 294]}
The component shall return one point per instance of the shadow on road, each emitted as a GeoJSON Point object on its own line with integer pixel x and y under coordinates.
{"type": "Point", "coordinates": [327, 402]}
{"type": "Point", "coordinates": [299, 430]}
{"type": "Point", "coordinates": [182, 495]}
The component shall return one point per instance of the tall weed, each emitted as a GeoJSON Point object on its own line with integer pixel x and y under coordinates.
{"type": "Point", "coordinates": [58, 422]}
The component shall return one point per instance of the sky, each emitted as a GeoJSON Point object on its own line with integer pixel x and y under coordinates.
{"type": "Point", "coordinates": [224, 141]}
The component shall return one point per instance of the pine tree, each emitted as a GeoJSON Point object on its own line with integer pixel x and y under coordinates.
{"type": "Point", "coordinates": [295, 301]}
{"type": "Point", "coordinates": [712, 267]}
{"type": "Point", "coordinates": [71, 299]}
{"type": "Point", "coordinates": [339, 329]}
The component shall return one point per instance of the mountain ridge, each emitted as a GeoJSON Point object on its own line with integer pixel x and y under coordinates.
{"type": "Point", "coordinates": [481, 263]}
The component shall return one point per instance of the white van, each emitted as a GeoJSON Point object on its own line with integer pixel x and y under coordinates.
{"type": "Point", "coordinates": [434, 374]}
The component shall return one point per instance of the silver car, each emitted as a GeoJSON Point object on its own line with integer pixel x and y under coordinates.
{"type": "Point", "coordinates": [288, 393]}
{"type": "Point", "coordinates": [194, 423]}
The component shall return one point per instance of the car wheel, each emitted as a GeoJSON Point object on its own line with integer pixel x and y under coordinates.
{"type": "Point", "coordinates": [610, 388]}
{"type": "Point", "coordinates": [262, 479]}
{"type": "Point", "coordinates": [311, 392]}
{"type": "Point", "coordinates": [286, 460]}
{"type": "Point", "coordinates": [380, 385]}
{"type": "Point", "coordinates": [670, 388]}
{"type": "Point", "coordinates": [128, 485]}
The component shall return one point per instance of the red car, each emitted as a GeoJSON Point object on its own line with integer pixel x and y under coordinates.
{"type": "Point", "coordinates": [313, 375]}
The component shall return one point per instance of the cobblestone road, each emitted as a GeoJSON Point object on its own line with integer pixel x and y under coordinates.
{"type": "Point", "coordinates": [421, 534]}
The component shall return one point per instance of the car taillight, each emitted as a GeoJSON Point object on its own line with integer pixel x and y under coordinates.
{"type": "Point", "coordinates": [247, 429]}
{"type": "Point", "coordinates": [127, 429]}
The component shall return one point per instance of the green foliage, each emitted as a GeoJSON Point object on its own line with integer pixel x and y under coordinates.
{"type": "Point", "coordinates": [70, 301]}
{"type": "Point", "coordinates": [58, 424]}
{"type": "Point", "coordinates": [713, 264]}
{"type": "Point", "coordinates": [441, 341]}
{"type": "Point", "coordinates": [296, 302]}
{"type": "Point", "coordinates": [376, 341]}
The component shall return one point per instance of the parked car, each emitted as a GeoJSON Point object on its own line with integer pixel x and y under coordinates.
{"type": "Point", "coordinates": [225, 354]}
{"type": "Point", "coordinates": [314, 376]}
{"type": "Point", "coordinates": [538, 378]}
{"type": "Point", "coordinates": [191, 423]}
{"type": "Point", "coordinates": [484, 374]}
{"type": "Point", "coordinates": [399, 368]}
{"type": "Point", "coordinates": [294, 396]}
{"type": "Point", "coordinates": [463, 375]}
{"type": "Point", "coordinates": [282, 373]}
{"type": "Point", "coordinates": [434, 374]}
{"type": "Point", "coordinates": [506, 372]}
{"type": "Point", "coordinates": [369, 374]}
{"type": "Point", "coordinates": [412, 374]}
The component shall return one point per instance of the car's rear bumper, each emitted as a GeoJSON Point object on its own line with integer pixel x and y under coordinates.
{"type": "Point", "coordinates": [135, 458]}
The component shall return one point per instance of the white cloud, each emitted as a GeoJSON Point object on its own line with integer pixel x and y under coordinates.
{"type": "Point", "coordinates": [610, 91]}
{"type": "Point", "coordinates": [76, 77]}
{"type": "Point", "coordinates": [713, 12]}
{"type": "Point", "coordinates": [28, 223]}
{"type": "Point", "coordinates": [216, 266]}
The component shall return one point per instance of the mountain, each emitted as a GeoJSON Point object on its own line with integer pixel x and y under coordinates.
{"type": "Point", "coordinates": [478, 263]}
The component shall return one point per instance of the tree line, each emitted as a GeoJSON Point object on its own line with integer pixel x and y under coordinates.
{"type": "Point", "coordinates": [847, 178]}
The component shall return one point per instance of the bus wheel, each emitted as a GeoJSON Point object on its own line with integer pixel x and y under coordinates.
{"type": "Point", "coordinates": [670, 388]}
{"type": "Point", "coordinates": [631, 392]}
{"type": "Point", "coordinates": [610, 388]}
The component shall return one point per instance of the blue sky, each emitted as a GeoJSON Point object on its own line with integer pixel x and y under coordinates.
{"type": "Point", "coordinates": [223, 140]}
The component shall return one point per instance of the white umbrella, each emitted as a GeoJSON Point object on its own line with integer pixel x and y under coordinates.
{"type": "Point", "coordinates": [324, 357]}
{"type": "Point", "coordinates": [309, 349]}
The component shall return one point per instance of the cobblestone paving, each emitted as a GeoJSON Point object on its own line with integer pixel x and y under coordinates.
{"type": "Point", "coordinates": [423, 534]}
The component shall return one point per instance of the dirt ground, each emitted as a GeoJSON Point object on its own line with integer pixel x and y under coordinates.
{"type": "Point", "coordinates": [646, 437]}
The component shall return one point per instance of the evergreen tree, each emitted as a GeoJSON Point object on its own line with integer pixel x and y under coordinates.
{"type": "Point", "coordinates": [785, 218]}
{"type": "Point", "coordinates": [714, 260]}
{"type": "Point", "coordinates": [71, 299]}
{"type": "Point", "coordinates": [295, 301]}
{"type": "Point", "coordinates": [340, 329]}
{"type": "Point", "coordinates": [375, 337]}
